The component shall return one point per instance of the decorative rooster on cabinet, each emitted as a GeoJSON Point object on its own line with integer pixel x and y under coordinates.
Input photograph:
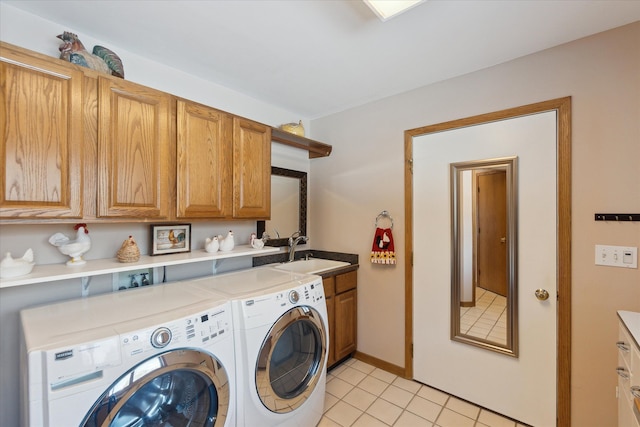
{"type": "Point", "coordinates": [74, 248]}
{"type": "Point", "coordinates": [102, 59]}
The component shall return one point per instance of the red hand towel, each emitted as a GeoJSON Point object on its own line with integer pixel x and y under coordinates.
{"type": "Point", "coordinates": [382, 250]}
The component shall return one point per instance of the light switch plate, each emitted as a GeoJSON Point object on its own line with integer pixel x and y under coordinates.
{"type": "Point", "coordinates": [617, 256]}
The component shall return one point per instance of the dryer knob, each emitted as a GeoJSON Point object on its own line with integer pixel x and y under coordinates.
{"type": "Point", "coordinates": [294, 297]}
{"type": "Point", "coordinates": [161, 337]}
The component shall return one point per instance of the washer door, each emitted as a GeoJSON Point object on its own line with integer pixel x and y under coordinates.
{"type": "Point", "coordinates": [182, 387]}
{"type": "Point", "coordinates": [291, 359]}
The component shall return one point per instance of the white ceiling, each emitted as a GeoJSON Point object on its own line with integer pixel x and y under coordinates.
{"type": "Point", "coordinates": [317, 57]}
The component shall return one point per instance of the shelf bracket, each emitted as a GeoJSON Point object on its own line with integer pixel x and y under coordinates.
{"type": "Point", "coordinates": [216, 263]}
{"type": "Point", "coordinates": [85, 285]}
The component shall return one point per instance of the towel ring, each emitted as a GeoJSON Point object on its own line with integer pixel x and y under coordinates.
{"type": "Point", "coordinates": [384, 214]}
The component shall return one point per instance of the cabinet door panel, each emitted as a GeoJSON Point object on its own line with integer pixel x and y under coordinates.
{"type": "Point", "coordinates": [204, 165]}
{"type": "Point", "coordinates": [345, 323]}
{"type": "Point", "coordinates": [331, 353]}
{"type": "Point", "coordinates": [41, 138]}
{"type": "Point", "coordinates": [328, 284]}
{"type": "Point", "coordinates": [134, 163]}
{"type": "Point", "coordinates": [251, 169]}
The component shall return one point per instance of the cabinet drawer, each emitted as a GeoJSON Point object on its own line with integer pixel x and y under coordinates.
{"type": "Point", "coordinates": [634, 364]}
{"type": "Point", "coordinates": [624, 384]}
{"type": "Point", "coordinates": [329, 284]}
{"type": "Point", "coordinates": [625, 345]}
{"type": "Point", "coordinates": [346, 281]}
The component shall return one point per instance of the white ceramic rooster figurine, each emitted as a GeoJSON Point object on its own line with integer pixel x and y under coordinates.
{"type": "Point", "coordinates": [14, 267]}
{"type": "Point", "coordinates": [226, 243]}
{"type": "Point", "coordinates": [74, 248]}
{"type": "Point", "coordinates": [212, 245]}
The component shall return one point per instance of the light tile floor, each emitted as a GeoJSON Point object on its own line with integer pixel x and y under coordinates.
{"type": "Point", "coordinates": [361, 395]}
{"type": "Point", "coordinates": [487, 319]}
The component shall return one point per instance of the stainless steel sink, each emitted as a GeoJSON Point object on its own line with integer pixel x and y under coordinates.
{"type": "Point", "coordinates": [310, 266]}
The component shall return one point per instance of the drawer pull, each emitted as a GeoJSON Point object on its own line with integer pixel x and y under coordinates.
{"type": "Point", "coordinates": [635, 390]}
{"type": "Point", "coordinates": [623, 346]}
{"type": "Point", "coordinates": [622, 372]}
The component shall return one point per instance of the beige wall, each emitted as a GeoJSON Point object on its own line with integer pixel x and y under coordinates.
{"type": "Point", "coordinates": [364, 175]}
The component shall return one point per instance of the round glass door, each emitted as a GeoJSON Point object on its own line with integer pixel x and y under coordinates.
{"type": "Point", "coordinates": [291, 359]}
{"type": "Point", "coordinates": [178, 388]}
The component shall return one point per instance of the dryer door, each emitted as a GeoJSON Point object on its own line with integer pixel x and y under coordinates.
{"type": "Point", "coordinates": [291, 359]}
{"type": "Point", "coordinates": [182, 387]}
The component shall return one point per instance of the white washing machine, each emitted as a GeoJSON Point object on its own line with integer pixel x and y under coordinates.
{"type": "Point", "coordinates": [281, 334]}
{"type": "Point", "coordinates": [149, 356]}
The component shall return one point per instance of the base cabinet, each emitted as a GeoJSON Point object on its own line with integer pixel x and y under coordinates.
{"type": "Point", "coordinates": [342, 311]}
{"type": "Point", "coordinates": [628, 371]}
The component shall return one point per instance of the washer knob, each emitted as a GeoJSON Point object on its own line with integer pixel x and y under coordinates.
{"type": "Point", "coordinates": [294, 297]}
{"type": "Point", "coordinates": [161, 337]}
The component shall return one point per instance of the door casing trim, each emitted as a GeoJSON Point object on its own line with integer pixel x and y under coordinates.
{"type": "Point", "coordinates": [563, 234]}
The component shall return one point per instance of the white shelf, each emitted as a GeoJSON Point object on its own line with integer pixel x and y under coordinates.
{"type": "Point", "coordinates": [53, 272]}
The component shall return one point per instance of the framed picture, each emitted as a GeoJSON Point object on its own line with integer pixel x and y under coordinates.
{"type": "Point", "coordinates": [170, 238]}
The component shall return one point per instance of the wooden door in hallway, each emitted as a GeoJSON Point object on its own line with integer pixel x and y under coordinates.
{"type": "Point", "coordinates": [491, 231]}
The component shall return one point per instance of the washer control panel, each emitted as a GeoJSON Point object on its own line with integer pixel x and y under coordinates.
{"type": "Point", "coordinates": [201, 328]}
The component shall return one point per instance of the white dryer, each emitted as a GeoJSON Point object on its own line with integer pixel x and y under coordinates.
{"type": "Point", "coordinates": [281, 334]}
{"type": "Point", "coordinates": [151, 356]}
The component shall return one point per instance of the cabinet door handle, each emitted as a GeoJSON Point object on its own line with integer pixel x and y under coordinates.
{"type": "Point", "coordinates": [635, 390]}
{"type": "Point", "coordinates": [622, 372]}
{"type": "Point", "coordinates": [623, 346]}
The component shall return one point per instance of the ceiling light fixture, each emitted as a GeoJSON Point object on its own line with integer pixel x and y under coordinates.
{"type": "Point", "coordinates": [387, 9]}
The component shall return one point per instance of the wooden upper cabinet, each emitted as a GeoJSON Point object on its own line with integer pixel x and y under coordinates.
{"type": "Point", "coordinates": [204, 166]}
{"type": "Point", "coordinates": [77, 144]}
{"type": "Point", "coordinates": [41, 141]}
{"type": "Point", "coordinates": [135, 163]}
{"type": "Point", "coordinates": [251, 169]}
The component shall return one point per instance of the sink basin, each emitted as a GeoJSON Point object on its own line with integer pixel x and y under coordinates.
{"type": "Point", "coordinates": [313, 265]}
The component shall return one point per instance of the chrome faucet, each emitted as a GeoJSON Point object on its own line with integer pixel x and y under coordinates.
{"type": "Point", "coordinates": [294, 240]}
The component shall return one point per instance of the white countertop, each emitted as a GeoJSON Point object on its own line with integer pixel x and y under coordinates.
{"type": "Point", "coordinates": [631, 320]}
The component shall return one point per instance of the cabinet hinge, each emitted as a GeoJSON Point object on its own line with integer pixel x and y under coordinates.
{"type": "Point", "coordinates": [410, 161]}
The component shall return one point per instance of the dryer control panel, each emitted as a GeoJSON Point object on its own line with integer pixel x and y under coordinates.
{"type": "Point", "coordinates": [259, 309]}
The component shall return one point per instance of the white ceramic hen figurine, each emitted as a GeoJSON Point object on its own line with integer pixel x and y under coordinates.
{"type": "Point", "coordinates": [226, 243]}
{"type": "Point", "coordinates": [212, 245]}
{"type": "Point", "coordinates": [74, 248]}
{"type": "Point", "coordinates": [14, 267]}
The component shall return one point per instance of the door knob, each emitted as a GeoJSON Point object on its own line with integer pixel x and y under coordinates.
{"type": "Point", "coordinates": [542, 294]}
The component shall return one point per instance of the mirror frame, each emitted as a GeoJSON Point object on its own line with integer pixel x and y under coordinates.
{"type": "Point", "coordinates": [302, 208]}
{"type": "Point", "coordinates": [509, 164]}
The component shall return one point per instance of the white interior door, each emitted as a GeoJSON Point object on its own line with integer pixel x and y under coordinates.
{"type": "Point", "coordinates": [523, 388]}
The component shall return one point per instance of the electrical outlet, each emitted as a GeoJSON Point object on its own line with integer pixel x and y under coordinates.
{"type": "Point", "coordinates": [617, 256]}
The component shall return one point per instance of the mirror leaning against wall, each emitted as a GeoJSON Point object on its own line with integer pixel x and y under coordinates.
{"type": "Point", "coordinates": [288, 207]}
{"type": "Point", "coordinates": [484, 241]}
